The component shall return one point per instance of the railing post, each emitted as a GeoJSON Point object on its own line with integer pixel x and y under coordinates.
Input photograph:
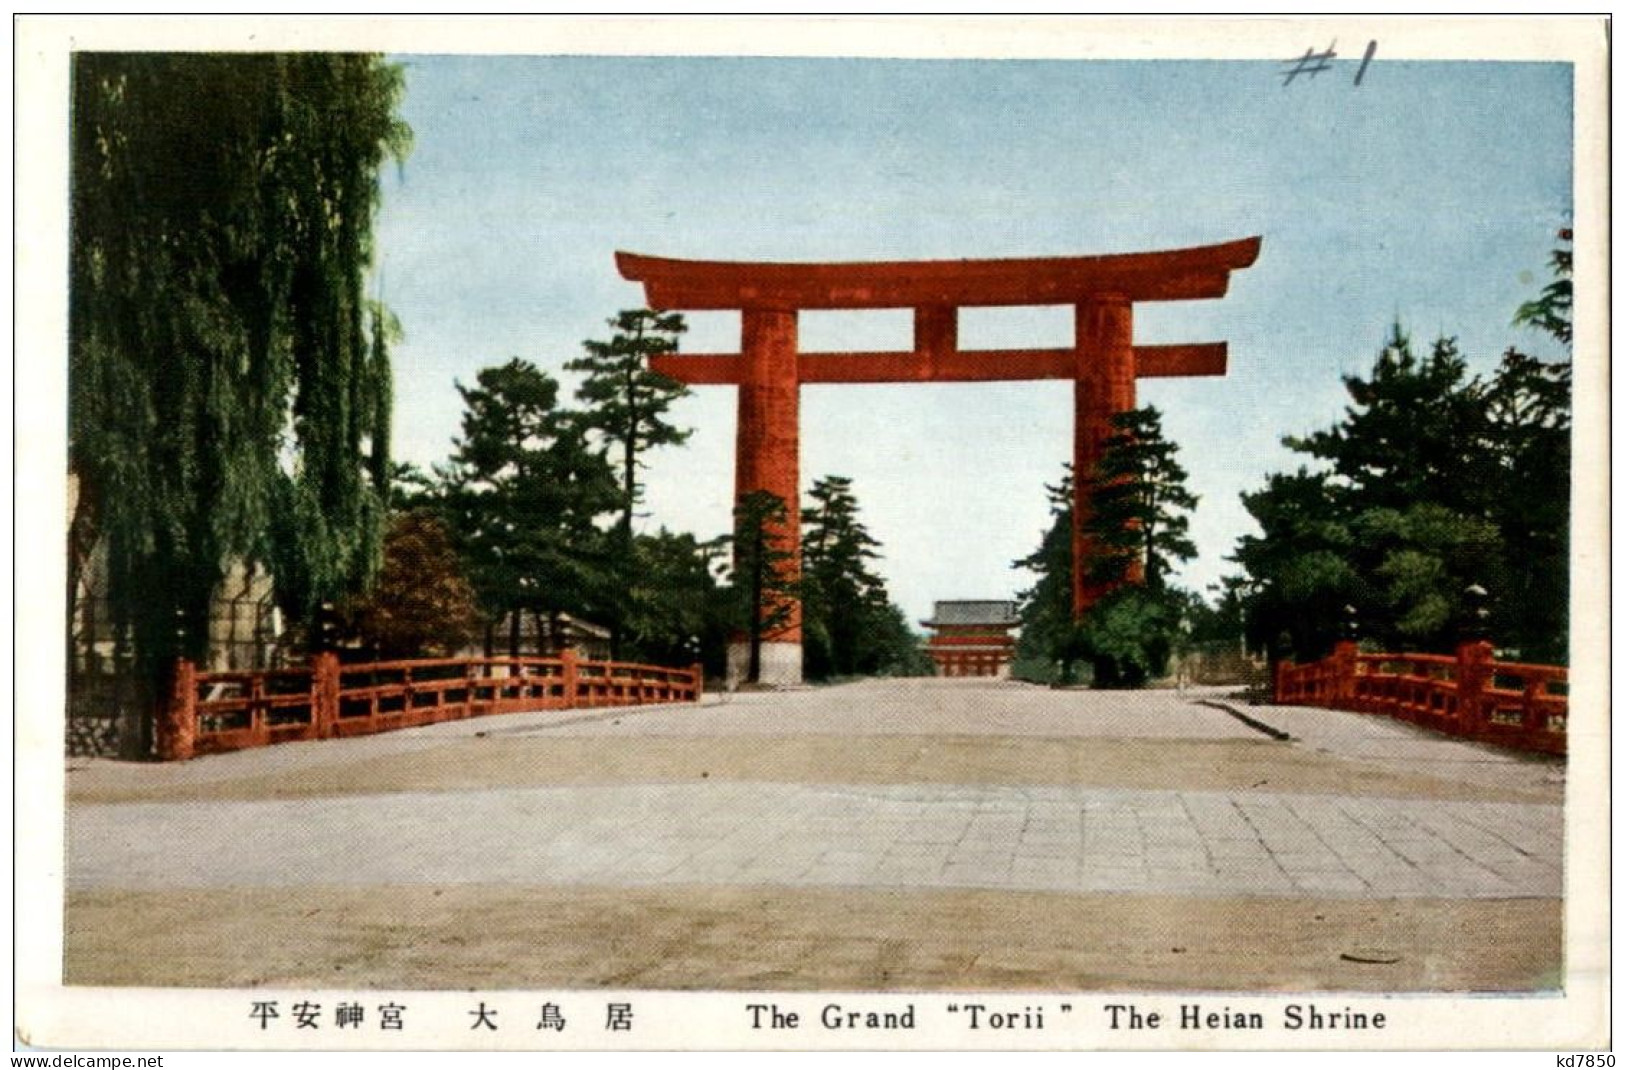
{"type": "Point", "coordinates": [1534, 722]}
{"type": "Point", "coordinates": [698, 672]}
{"type": "Point", "coordinates": [567, 663]}
{"type": "Point", "coordinates": [324, 694]}
{"type": "Point", "coordinates": [177, 718]}
{"type": "Point", "coordinates": [1473, 672]}
{"type": "Point", "coordinates": [1344, 656]}
{"type": "Point", "coordinates": [1281, 658]}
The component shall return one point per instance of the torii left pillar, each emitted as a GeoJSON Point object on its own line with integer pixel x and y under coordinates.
{"type": "Point", "coordinates": [767, 458]}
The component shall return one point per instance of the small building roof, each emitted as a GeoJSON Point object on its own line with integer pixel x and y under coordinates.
{"type": "Point", "coordinates": [996, 613]}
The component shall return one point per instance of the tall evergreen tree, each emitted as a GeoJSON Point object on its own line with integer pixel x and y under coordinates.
{"type": "Point", "coordinates": [849, 625]}
{"type": "Point", "coordinates": [1411, 433]}
{"type": "Point", "coordinates": [1048, 633]}
{"type": "Point", "coordinates": [893, 647]}
{"type": "Point", "coordinates": [676, 611]}
{"type": "Point", "coordinates": [524, 492]}
{"type": "Point", "coordinates": [627, 403]}
{"type": "Point", "coordinates": [225, 398]}
{"type": "Point", "coordinates": [1301, 565]}
{"type": "Point", "coordinates": [1393, 524]}
{"type": "Point", "coordinates": [763, 582]}
{"type": "Point", "coordinates": [1139, 503]}
{"type": "Point", "coordinates": [1531, 434]}
{"type": "Point", "coordinates": [1138, 524]}
{"type": "Point", "coordinates": [1551, 312]}
{"type": "Point", "coordinates": [838, 589]}
{"type": "Point", "coordinates": [1433, 481]}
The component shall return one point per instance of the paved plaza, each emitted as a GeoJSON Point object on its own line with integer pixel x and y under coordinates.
{"type": "Point", "coordinates": [1043, 839]}
{"type": "Point", "coordinates": [909, 788]}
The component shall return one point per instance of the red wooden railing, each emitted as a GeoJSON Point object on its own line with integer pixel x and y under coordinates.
{"type": "Point", "coordinates": [1470, 695]}
{"type": "Point", "coordinates": [212, 712]}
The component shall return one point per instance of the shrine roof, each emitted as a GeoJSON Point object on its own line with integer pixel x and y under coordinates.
{"type": "Point", "coordinates": [952, 614]}
{"type": "Point", "coordinates": [1165, 275]}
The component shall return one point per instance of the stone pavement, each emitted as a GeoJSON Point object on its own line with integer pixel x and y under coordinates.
{"type": "Point", "coordinates": [1044, 839]}
{"type": "Point", "coordinates": [1395, 745]}
{"type": "Point", "coordinates": [1051, 837]}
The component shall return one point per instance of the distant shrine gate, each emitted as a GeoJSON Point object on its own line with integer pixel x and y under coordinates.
{"type": "Point", "coordinates": [769, 369]}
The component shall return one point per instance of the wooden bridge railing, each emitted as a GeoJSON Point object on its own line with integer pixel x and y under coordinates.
{"type": "Point", "coordinates": [213, 712]}
{"type": "Point", "coordinates": [1470, 695]}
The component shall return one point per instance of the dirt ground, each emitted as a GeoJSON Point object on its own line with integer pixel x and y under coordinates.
{"type": "Point", "coordinates": [761, 938]}
{"type": "Point", "coordinates": [532, 761]}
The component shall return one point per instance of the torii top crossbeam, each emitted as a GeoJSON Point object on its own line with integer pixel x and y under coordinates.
{"type": "Point", "coordinates": [1168, 275]}
{"type": "Point", "coordinates": [769, 370]}
{"type": "Point", "coordinates": [935, 289]}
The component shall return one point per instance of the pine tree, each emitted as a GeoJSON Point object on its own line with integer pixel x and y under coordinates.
{"type": "Point", "coordinates": [524, 492]}
{"type": "Point", "coordinates": [675, 609]}
{"type": "Point", "coordinates": [1139, 504]}
{"type": "Point", "coordinates": [1047, 628]}
{"type": "Point", "coordinates": [1551, 312]}
{"type": "Point", "coordinates": [1301, 568]}
{"type": "Point", "coordinates": [1530, 427]}
{"type": "Point", "coordinates": [849, 624]}
{"type": "Point", "coordinates": [840, 593]}
{"type": "Point", "coordinates": [627, 403]}
{"type": "Point", "coordinates": [1412, 432]}
{"type": "Point", "coordinates": [1139, 522]}
{"type": "Point", "coordinates": [1394, 524]}
{"type": "Point", "coordinates": [895, 648]}
{"type": "Point", "coordinates": [1138, 528]}
{"type": "Point", "coordinates": [1434, 480]}
{"type": "Point", "coordinates": [763, 584]}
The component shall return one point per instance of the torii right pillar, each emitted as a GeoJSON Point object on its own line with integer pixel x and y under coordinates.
{"type": "Point", "coordinates": [1104, 387]}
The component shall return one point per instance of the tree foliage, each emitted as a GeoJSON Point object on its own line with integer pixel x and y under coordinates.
{"type": "Point", "coordinates": [1413, 431]}
{"type": "Point", "coordinates": [1434, 480]}
{"type": "Point", "coordinates": [1129, 634]}
{"type": "Point", "coordinates": [1551, 312]}
{"type": "Point", "coordinates": [1139, 503]}
{"type": "Point", "coordinates": [1139, 522]}
{"type": "Point", "coordinates": [1048, 634]}
{"type": "Point", "coordinates": [422, 604]}
{"type": "Point", "coordinates": [1301, 567]}
{"type": "Point", "coordinates": [228, 379]}
{"type": "Point", "coordinates": [677, 613]}
{"type": "Point", "coordinates": [849, 625]}
{"type": "Point", "coordinates": [763, 583]}
{"type": "Point", "coordinates": [626, 405]}
{"type": "Point", "coordinates": [1531, 439]}
{"type": "Point", "coordinates": [524, 492]}
{"type": "Point", "coordinates": [626, 401]}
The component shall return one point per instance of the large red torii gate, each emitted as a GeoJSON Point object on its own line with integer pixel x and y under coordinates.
{"type": "Point", "coordinates": [1103, 361]}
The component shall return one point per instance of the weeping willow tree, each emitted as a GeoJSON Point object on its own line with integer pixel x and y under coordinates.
{"type": "Point", "coordinates": [228, 377]}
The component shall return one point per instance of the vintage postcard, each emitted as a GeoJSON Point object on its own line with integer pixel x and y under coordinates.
{"type": "Point", "coordinates": [559, 534]}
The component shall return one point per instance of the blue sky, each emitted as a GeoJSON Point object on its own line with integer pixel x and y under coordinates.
{"type": "Point", "coordinates": [1429, 194]}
